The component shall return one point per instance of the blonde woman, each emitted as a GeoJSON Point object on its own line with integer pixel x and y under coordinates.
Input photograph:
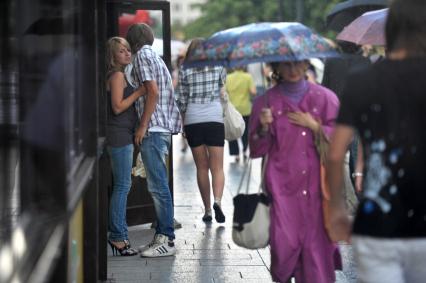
{"type": "Point", "coordinates": [122, 119]}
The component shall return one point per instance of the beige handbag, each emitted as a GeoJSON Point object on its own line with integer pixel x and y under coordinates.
{"type": "Point", "coordinates": [232, 120]}
{"type": "Point", "coordinates": [321, 144]}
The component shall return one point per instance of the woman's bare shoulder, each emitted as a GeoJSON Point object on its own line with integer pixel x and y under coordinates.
{"type": "Point", "coordinates": [116, 76]}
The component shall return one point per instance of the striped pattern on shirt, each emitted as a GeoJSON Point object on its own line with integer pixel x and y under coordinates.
{"type": "Point", "coordinates": [148, 66]}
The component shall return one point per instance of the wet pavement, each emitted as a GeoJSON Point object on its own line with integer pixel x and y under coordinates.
{"type": "Point", "coordinates": [206, 253]}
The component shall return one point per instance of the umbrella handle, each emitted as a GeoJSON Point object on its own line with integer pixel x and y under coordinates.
{"type": "Point", "coordinates": [266, 99]}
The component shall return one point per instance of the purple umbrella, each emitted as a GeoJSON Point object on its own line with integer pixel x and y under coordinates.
{"type": "Point", "coordinates": [344, 13]}
{"type": "Point", "coordinates": [369, 28]}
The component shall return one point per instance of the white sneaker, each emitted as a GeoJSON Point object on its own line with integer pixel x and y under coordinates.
{"type": "Point", "coordinates": [161, 247]}
{"type": "Point", "coordinates": [151, 244]}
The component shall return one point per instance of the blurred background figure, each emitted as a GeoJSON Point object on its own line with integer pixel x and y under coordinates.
{"type": "Point", "coordinates": [175, 77]}
{"type": "Point", "coordinates": [257, 71]}
{"type": "Point", "coordinates": [241, 89]}
{"type": "Point", "coordinates": [385, 104]}
{"type": "Point", "coordinates": [336, 69]}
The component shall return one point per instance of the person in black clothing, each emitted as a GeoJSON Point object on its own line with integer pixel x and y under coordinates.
{"type": "Point", "coordinates": [386, 104]}
{"type": "Point", "coordinates": [336, 69]}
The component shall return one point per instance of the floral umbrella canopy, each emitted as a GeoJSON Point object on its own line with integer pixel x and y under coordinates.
{"type": "Point", "coordinates": [260, 42]}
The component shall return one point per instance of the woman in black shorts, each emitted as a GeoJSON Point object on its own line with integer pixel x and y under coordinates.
{"type": "Point", "coordinates": [198, 96]}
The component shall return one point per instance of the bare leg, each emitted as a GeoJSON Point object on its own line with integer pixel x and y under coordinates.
{"type": "Point", "coordinates": [216, 169]}
{"type": "Point", "coordinates": [202, 163]}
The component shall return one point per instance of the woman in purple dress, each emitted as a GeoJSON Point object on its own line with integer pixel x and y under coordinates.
{"type": "Point", "coordinates": [283, 125]}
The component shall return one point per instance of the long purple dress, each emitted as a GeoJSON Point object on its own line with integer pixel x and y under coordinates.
{"type": "Point", "coordinates": [299, 244]}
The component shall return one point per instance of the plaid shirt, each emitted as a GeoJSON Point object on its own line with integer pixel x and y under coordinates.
{"type": "Point", "coordinates": [199, 85]}
{"type": "Point", "coordinates": [148, 66]}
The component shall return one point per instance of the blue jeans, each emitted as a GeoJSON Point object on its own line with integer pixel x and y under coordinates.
{"type": "Point", "coordinates": [154, 148]}
{"type": "Point", "coordinates": [121, 163]}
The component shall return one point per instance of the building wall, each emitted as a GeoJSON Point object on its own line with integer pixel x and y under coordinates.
{"type": "Point", "coordinates": [182, 13]}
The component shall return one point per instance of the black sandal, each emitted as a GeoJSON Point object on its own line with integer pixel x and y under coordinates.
{"type": "Point", "coordinates": [218, 213]}
{"type": "Point", "coordinates": [126, 250]}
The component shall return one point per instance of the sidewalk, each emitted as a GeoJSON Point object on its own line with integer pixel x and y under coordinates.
{"type": "Point", "coordinates": [206, 253]}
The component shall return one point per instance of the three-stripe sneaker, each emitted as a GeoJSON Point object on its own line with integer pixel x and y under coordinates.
{"type": "Point", "coordinates": [151, 244]}
{"type": "Point", "coordinates": [161, 247]}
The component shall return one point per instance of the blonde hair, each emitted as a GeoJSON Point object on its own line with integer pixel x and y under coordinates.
{"type": "Point", "coordinates": [113, 45]}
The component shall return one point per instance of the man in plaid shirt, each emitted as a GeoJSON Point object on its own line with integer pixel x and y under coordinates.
{"type": "Point", "coordinates": [159, 118]}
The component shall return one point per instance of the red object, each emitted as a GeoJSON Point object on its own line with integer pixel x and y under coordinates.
{"type": "Point", "coordinates": [126, 20]}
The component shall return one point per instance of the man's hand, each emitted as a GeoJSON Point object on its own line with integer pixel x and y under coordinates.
{"type": "Point", "coordinates": [358, 184]}
{"type": "Point", "coordinates": [340, 224]}
{"type": "Point", "coordinates": [140, 133]}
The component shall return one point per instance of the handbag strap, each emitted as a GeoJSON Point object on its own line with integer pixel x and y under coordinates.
{"type": "Point", "coordinates": [262, 180]}
{"type": "Point", "coordinates": [249, 166]}
{"type": "Point", "coordinates": [248, 169]}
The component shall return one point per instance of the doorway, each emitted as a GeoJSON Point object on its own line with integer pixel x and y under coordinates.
{"type": "Point", "coordinates": [120, 16]}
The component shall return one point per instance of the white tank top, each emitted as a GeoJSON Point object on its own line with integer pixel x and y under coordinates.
{"type": "Point", "coordinates": [202, 113]}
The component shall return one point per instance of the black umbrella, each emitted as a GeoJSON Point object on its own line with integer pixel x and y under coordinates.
{"type": "Point", "coordinates": [344, 13]}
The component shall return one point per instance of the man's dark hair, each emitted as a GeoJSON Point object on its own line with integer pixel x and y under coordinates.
{"type": "Point", "coordinates": [348, 47]}
{"type": "Point", "coordinates": [139, 35]}
{"type": "Point", "coordinates": [406, 26]}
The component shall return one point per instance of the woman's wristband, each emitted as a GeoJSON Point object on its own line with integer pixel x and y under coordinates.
{"type": "Point", "coordinates": [357, 174]}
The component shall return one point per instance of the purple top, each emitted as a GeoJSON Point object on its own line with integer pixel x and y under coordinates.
{"type": "Point", "coordinates": [294, 91]}
{"type": "Point", "coordinates": [292, 178]}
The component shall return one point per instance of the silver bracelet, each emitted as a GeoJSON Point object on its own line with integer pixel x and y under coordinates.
{"type": "Point", "coordinates": [357, 174]}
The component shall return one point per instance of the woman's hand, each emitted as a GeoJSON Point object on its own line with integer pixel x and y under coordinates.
{"type": "Point", "coordinates": [304, 119]}
{"type": "Point", "coordinates": [141, 91]}
{"type": "Point", "coordinates": [266, 118]}
{"type": "Point", "coordinates": [358, 183]}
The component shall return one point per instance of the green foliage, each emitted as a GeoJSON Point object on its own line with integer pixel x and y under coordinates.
{"type": "Point", "coordinates": [222, 14]}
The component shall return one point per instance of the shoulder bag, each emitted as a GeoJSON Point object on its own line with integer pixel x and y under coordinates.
{"type": "Point", "coordinates": [232, 120]}
{"type": "Point", "coordinates": [251, 214]}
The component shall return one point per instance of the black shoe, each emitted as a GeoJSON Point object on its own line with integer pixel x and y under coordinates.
{"type": "Point", "coordinates": [218, 214]}
{"type": "Point", "coordinates": [123, 251]}
{"type": "Point", "coordinates": [207, 217]}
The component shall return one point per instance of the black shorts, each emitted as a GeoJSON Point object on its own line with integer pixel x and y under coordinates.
{"type": "Point", "coordinates": [209, 133]}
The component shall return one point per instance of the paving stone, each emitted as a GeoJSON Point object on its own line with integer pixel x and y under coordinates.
{"type": "Point", "coordinates": [206, 252]}
{"type": "Point", "coordinates": [235, 262]}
